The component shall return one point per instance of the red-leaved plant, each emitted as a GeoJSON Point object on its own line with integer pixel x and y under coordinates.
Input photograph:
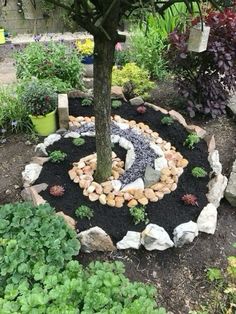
{"type": "Point", "coordinates": [56, 190]}
{"type": "Point", "coordinates": [141, 109]}
{"type": "Point", "coordinates": [205, 79]}
{"type": "Point", "coordinates": [189, 199]}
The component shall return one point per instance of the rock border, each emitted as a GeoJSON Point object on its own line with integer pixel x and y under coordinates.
{"type": "Point", "coordinates": [153, 237]}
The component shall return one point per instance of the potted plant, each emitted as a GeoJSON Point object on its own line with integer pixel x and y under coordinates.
{"type": "Point", "coordinates": [85, 48]}
{"type": "Point", "coordinates": [41, 103]}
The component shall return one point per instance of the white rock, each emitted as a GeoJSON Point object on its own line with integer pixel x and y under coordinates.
{"type": "Point", "coordinates": [72, 135]}
{"type": "Point", "coordinates": [31, 174]}
{"type": "Point", "coordinates": [214, 161]}
{"type": "Point", "coordinates": [160, 163]}
{"type": "Point", "coordinates": [95, 239]}
{"type": "Point", "coordinates": [151, 176]}
{"type": "Point", "coordinates": [157, 149]}
{"type": "Point", "coordinates": [216, 187]}
{"type": "Point", "coordinates": [40, 150]}
{"type": "Point", "coordinates": [130, 158]}
{"type": "Point", "coordinates": [89, 133]}
{"type": "Point", "coordinates": [137, 184]}
{"type": "Point", "coordinates": [125, 143]}
{"type": "Point", "coordinates": [122, 126]}
{"type": "Point", "coordinates": [185, 233]}
{"type": "Point", "coordinates": [207, 219]}
{"type": "Point", "coordinates": [116, 184]}
{"type": "Point", "coordinates": [131, 240]}
{"type": "Point", "coordinates": [230, 192]}
{"type": "Point", "coordinates": [155, 237]}
{"type": "Point", "coordinates": [52, 138]}
{"type": "Point", "coordinates": [115, 138]}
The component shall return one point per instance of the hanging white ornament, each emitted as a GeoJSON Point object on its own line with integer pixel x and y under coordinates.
{"type": "Point", "coordinates": [198, 37]}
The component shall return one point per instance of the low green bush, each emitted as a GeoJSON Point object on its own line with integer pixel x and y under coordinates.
{"type": "Point", "coordinates": [134, 74]}
{"type": "Point", "coordinates": [50, 61]}
{"type": "Point", "coordinates": [199, 172]}
{"type": "Point", "coordinates": [84, 212]}
{"type": "Point", "coordinates": [13, 115]}
{"type": "Point", "coordinates": [78, 141]}
{"type": "Point", "coordinates": [191, 140]}
{"type": "Point", "coordinates": [57, 156]}
{"type": "Point", "coordinates": [138, 214]}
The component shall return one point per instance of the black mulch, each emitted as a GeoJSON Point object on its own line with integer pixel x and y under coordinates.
{"type": "Point", "coordinates": [168, 213]}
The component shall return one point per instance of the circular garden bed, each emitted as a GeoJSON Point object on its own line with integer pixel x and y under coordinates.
{"type": "Point", "coordinates": [154, 144]}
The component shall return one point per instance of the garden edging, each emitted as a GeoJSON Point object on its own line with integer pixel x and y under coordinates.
{"type": "Point", "coordinates": [153, 236]}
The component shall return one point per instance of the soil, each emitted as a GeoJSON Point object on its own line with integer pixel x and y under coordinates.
{"type": "Point", "coordinates": [168, 212]}
{"type": "Point", "coordinates": [178, 274]}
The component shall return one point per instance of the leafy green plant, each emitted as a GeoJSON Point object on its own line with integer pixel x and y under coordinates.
{"type": "Point", "coordinates": [38, 98]}
{"type": "Point", "coordinates": [167, 120]}
{"type": "Point", "coordinates": [116, 104]}
{"type": "Point", "coordinates": [78, 141]}
{"type": "Point", "coordinates": [134, 74]}
{"type": "Point", "coordinates": [191, 140]}
{"type": "Point", "coordinates": [57, 156]}
{"type": "Point", "coordinates": [84, 212]}
{"type": "Point", "coordinates": [87, 102]}
{"type": "Point", "coordinates": [13, 114]}
{"type": "Point", "coordinates": [53, 60]}
{"type": "Point", "coordinates": [214, 274]}
{"type": "Point", "coordinates": [29, 236]}
{"type": "Point", "coordinates": [98, 288]}
{"type": "Point", "coordinates": [199, 172]}
{"type": "Point", "coordinates": [138, 214]}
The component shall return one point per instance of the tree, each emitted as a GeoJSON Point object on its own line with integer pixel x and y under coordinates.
{"type": "Point", "coordinates": [101, 18]}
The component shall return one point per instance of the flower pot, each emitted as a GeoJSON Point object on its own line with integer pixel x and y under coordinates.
{"type": "Point", "coordinates": [44, 125]}
{"type": "Point", "coordinates": [87, 59]}
{"type": "Point", "coordinates": [2, 36]}
{"type": "Point", "coordinates": [198, 38]}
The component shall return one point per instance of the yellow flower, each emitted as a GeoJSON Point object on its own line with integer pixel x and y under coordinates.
{"type": "Point", "coordinates": [85, 47]}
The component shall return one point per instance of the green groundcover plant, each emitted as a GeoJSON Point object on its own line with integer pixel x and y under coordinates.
{"type": "Point", "coordinates": [50, 61]}
{"type": "Point", "coordinates": [37, 274]}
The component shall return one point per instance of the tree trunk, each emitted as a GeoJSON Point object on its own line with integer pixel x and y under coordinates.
{"type": "Point", "coordinates": [103, 62]}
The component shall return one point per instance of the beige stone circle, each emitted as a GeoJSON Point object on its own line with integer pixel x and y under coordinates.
{"type": "Point", "coordinates": [106, 192]}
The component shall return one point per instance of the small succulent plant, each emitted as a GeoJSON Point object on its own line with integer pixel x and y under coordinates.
{"type": "Point", "coordinates": [57, 156]}
{"type": "Point", "coordinates": [78, 141]}
{"type": "Point", "coordinates": [191, 140]}
{"type": "Point", "coordinates": [116, 104]}
{"type": "Point", "coordinates": [139, 215]}
{"type": "Point", "coordinates": [141, 109]}
{"type": "Point", "coordinates": [199, 172]}
{"type": "Point", "coordinates": [167, 120]}
{"type": "Point", "coordinates": [84, 212]}
{"type": "Point", "coordinates": [56, 190]}
{"type": "Point", "coordinates": [86, 102]}
{"type": "Point", "coordinates": [189, 199]}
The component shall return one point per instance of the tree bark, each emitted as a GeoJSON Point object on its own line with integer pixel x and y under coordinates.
{"type": "Point", "coordinates": [103, 63]}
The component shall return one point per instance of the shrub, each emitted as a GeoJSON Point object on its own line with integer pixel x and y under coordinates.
{"type": "Point", "coordinates": [32, 236]}
{"type": "Point", "coordinates": [47, 61]}
{"type": "Point", "coordinates": [57, 156]}
{"type": "Point", "coordinates": [138, 214]}
{"type": "Point", "coordinates": [199, 172]}
{"type": "Point", "coordinates": [115, 104]}
{"type": "Point", "coordinates": [132, 73]}
{"type": "Point", "coordinates": [13, 115]}
{"type": "Point", "coordinates": [98, 288]}
{"type": "Point", "coordinates": [191, 140]}
{"type": "Point", "coordinates": [167, 120]}
{"type": "Point", "coordinates": [84, 212]}
{"type": "Point", "coordinates": [78, 141]}
{"type": "Point", "coordinates": [206, 79]}
{"type": "Point", "coordinates": [38, 98]}
{"type": "Point", "coordinates": [85, 47]}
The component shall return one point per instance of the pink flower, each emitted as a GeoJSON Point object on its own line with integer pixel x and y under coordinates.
{"type": "Point", "coordinates": [118, 47]}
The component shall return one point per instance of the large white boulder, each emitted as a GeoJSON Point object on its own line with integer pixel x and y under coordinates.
{"type": "Point", "coordinates": [230, 192]}
{"type": "Point", "coordinates": [155, 237]}
{"type": "Point", "coordinates": [136, 185]}
{"type": "Point", "coordinates": [207, 219]}
{"type": "Point", "coordinates": [130, 158]}
{"type": "Point", "coordinates": [31, 174]}
{"type": "Point", "coordinates": [216, 188]}
{"type": "Point", "coordinates": [160, 163]}
{"type": "Point", "coordinates": [214, 161]}
{"type": "Point", "coordinates": [52, 138]}
{"type": "Point", "coordinates": [185, 233]}
{"type": "Point", "coordinates": [131, 240]}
